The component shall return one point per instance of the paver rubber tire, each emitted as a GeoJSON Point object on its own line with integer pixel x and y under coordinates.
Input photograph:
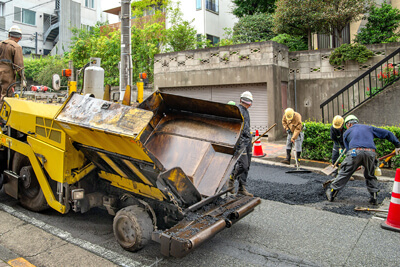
{"type": "Point", "coordinates": [29, 192]}
{"type": "Point", "coordinates": [132, 228]}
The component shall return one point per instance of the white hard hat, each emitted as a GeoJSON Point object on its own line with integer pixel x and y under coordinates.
{"type": "Point", "coordinates": [246, 97]}
{"type": "Point", "coordinates": [15, 29]}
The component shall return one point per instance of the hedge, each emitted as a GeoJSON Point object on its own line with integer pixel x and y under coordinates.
{"type": "Point", "coordinates": [318, 145]}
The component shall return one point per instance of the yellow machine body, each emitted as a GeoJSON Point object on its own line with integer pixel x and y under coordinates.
{"type": "Point", "coordinates": [170, 154]}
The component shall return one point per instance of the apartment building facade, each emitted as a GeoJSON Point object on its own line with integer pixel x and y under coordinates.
{"type": "Point", "coordinates": [210, 16]}
{"type": "Point", "coordinates": [46, 24]}
{"type": "Point", "coordinates": [321, 41]}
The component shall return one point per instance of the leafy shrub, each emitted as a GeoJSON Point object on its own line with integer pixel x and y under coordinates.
{"type": "Point", "coordinates": [254, 28]}
{"type": "Point", "coordinates": [318, 145]}
{"type": "Point", "coordinates": [372, 91]}
{"type": "Point", "coordinates": [294, 43]}
{"type": "Point", "coordinates": [346, 52]}
{"type": "Point", "coordinates": [381, 27]}
{"type": "Point", "coordinates": [41, 70]}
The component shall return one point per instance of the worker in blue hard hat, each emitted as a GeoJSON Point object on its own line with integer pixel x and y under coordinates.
{"type": "Point", "coordinates": [360, 146]}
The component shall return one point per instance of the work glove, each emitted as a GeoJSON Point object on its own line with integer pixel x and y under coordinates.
{"type": "Point", "coordinates": [23, 83]}
{"type": "Point", "coordinates": [397, 150]}
{"type": "Point", "coordinates": [288, 131]}
{"type": "Point", "coordinates": [340, 150]}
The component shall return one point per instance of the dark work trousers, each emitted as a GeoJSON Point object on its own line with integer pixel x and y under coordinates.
{"type": "Point", "coordinates": [350, 165]}
{"type": "Point", "coordinates": [242, 166]}
{"type": "Point", "coordinates": [335, 152]}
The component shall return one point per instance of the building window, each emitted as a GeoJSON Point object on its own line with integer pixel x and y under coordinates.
{"type": "Point", "coordinates": [28, 50]}
{"type": "Point", "coordinates": [87, 27]}
{"type": "Point", "coordinates": [1, 9]}
{"type": "Point", "coordinates": [198, 4]}
{"type": "Point", "coordinates": [212, 5]}
{"type": "Point", "coordinates": [89, 3]}
{"type": "Point", "coordinates": [213, 39]}
{"type": "Point", "coordinates": [331, 41]}
{"type": "Point", "coordinates": [25, 15]}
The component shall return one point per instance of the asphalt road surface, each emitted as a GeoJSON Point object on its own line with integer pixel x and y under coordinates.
{"type": "Point", "coordinates": [267, 182]}
{"type": "Point", "coordinates": [273, 183]}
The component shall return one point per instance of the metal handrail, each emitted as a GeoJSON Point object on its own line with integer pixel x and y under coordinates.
{"type": "Point", "coordinates": [370, 78]}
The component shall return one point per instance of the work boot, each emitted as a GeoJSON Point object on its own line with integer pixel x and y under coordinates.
{"type": "Point", "coordinates": [330, 194]}
{"type": "Point", "coordinates": [374, 198]}
{"type": "Point", "coordinates": [288, 157]}
{"type": "Point", "coordinates": [243, 191]}
{"type": "Point", "coordinates": [298, 158]}
{"type": "Point", "coordinates": [231, 184]}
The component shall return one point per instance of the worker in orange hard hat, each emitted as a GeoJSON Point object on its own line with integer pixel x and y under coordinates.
{"type": "Point", "coordinates": [293, 126]}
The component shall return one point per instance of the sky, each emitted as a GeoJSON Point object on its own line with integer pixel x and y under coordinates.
{"type": "Point", "coordinates": [107, 4]}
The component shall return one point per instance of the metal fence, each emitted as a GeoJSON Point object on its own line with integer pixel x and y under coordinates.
{"type": "Point", "coordinates": [362, 89]}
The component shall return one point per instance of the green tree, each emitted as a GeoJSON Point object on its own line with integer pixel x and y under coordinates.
{"type": "Point", "coordinates": [40, 70]}
{"type": "Point", "coordinates": [181, 35]}
{"type": "Point", "coordinates": [251, 7]}
{"type": "Point", "coordinates": [298, 17]}
{"type": "Point", "coordinates": [294, 43]}
{"type": "Point", "coordinates": [254, 28]}
{"type": "Point", "coordinates": [99, 42]}
{"type": "Point", "coordinates": [381, 27]}
{"type": "Point", "coordinates": [337, 14]}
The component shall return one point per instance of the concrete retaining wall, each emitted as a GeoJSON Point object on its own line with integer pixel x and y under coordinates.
{"type": "Point", "coordinates": [310, 78]}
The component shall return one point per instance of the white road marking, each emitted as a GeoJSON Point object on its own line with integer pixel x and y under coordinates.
{"type": "Point", "coordinates": [112, 256]}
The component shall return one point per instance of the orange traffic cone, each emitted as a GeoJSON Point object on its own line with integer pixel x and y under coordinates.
{"type": "Point", "coordinates": [257, 149]}
{"type": "Point", "coordinates": [393, 219]}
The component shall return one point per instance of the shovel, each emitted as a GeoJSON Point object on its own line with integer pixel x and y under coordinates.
{"type": "Point", "coordinates": [264, 133]}
{"type": "Point", "coordinates": [332, 168]}
{"type": "Point", "coordinates": [385, 158]}
{"type": "Point", "coordinates": [297, 164]}
{"type": "Point", "coordinates": [368, 209]}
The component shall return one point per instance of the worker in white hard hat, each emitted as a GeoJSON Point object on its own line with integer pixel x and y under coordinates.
{"type": "Point", "coordinates": [293, 126]}
{"type": "Point", "coordinates": [242, 166]}
{"type": "Point", "coordinates": [337, 131]}
{"type": "Point", "coordinates": [359, 143]}
{"type": "Point", "coordinates": [11, 61]}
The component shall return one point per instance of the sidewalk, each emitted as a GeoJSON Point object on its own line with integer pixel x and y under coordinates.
{"type": "Point", "coordinates": [22, 242]}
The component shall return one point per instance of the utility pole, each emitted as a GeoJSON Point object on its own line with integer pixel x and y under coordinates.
{"type": "Point", "coordinates": [126, 57]}
{"type": "Point", "coordinates": [36, 48]}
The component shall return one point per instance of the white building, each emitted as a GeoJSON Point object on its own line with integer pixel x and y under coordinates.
{"type": "Point", "coordinates": [46, 24]}
{"type": "Point", "coordinates": [210, 16]}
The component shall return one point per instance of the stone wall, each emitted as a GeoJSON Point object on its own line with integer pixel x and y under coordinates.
{"type": "Point", "coordinates": [383, 109]}
{"type": "Point", "coordinates": [265, 62]}
{"type": "Point", "coordinates": [309, 77]}
{"type": "Point", "coordinates": [316, 80]}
